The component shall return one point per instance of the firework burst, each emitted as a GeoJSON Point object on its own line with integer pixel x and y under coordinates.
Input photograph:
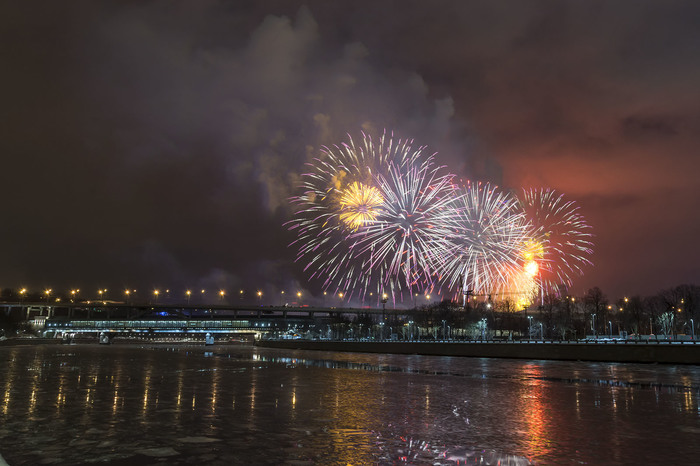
{"type": "Point", "coordinates": [359, 205]}
{"type": "Point", "coordinates": [489, 233]}
{"type": "Point", "coordinates": [409, 238]}
{"type": "Point", "coordinates": [368, 216]}
{"type": "Point", "coordinates": [560, 242]}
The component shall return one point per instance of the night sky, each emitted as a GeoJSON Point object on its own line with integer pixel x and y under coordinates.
{"type": "Point", "coordinates": [155, 144]}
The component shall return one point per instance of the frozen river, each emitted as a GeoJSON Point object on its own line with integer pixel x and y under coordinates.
{"type": "Point", "coordinates": [133, 405]}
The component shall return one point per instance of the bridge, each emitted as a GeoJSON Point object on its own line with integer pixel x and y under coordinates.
{"type": "Point", "coordinates": [178, 320]}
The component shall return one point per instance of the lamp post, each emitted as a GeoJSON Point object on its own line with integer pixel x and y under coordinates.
{"type": "Point", "coordinates": [541, 332]}
{"type": "Point", "coordinates": [385, 297]}
{"type": "Point", "coordinates": [188, 293]}
{"type": "Point", "coordinates": [47, 292]}
{"type": "Point", "coordinates": [672, 326]}
{"type": "Point", "coordinates": [595, 334]}
{"type": "Point", "coordinates": [692, 329]}
{"type": "Point", "coordinates": [155, 295]}
{"type": "Point", "coordinates": [22, 292]}
{"type": "Point", "coordinates": [610, 325]}
{"type": "Point", "coordinates": [529, 327]}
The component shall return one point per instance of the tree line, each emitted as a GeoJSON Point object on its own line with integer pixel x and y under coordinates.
{"type": "Point", "coordinates": [670, 313]}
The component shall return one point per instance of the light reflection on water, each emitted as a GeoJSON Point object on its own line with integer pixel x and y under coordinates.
{"type": "Point", "coordinates": [238, 404]}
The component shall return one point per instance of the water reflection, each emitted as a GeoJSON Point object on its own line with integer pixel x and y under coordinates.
{"type": "Point", "coordinates": [105, 404]}
{"type": "Point", "coordinates": [534, 406]}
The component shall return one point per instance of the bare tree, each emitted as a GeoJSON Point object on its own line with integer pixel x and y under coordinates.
{"type": "Point", "coordinates": [596, 303]}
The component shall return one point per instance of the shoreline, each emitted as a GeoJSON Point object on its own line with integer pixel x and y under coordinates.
{"type": "Point", "coordinates": [648, 353]}
{"type": "Point", "coordinates": [663, 352]}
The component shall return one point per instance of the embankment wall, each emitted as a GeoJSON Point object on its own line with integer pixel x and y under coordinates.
{"type": "Point", "coordinates": [663, 352]}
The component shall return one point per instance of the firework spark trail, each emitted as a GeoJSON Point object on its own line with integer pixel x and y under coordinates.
{"type": "Point", "coordinates": [561, 236]}
{"type": "Point", "coordinates": [488, 236]}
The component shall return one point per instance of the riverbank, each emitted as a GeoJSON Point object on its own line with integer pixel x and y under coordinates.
{"type": "Point", "coordinates": [663, 352]}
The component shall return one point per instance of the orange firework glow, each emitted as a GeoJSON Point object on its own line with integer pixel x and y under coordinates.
{"type": "Point", "coordinates": [531, 268]}
{"type": "Point", "coordinates": [359, 204]}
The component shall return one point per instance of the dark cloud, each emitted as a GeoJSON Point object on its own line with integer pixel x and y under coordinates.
{"type": "Point", "coordinates": [649, 126]}
{"type": "Point", "coordinates": [156, 143]}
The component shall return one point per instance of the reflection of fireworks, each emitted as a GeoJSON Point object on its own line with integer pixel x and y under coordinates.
{"type": "Point", "coordinates": [359, 204]}
{"type": "Point", "coordinates": [561, 243]}
{"type": "Point", "coordinates": [369, 216]}
{"type": "Point", "coordinates": [489, 239]}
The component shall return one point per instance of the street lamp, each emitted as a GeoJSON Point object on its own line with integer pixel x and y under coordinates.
{"type": "Point", "coordinates": [281, 297]}
{"type": "Point", "coordinates": [529, 327]}
{"type": "Point", "coordinates": [127, 293]}
{"type": "Point", "coordinates": [155, 294]}
{"type": "Point", "coordinates": [260, 297]}
{"type": "Point", "coordinates": [298, 298]}
{"type": "Point", "coordinates": [47, 292]}
{"type": "Point", "coordinates": [22, 292]}
{"type": "Point", "coordinates": [222, 293]}
{"type": "Point", "coordinates": [188, 293]}
{"type": "Point", "coordinates": [610, 325]}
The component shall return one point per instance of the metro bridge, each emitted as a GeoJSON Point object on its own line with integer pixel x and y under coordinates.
{"type": "Point", "coordinates": [137, 319]}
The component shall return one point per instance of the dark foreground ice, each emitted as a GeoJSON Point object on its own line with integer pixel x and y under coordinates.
{"type": "Point", "coordinates": [228, 405]}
